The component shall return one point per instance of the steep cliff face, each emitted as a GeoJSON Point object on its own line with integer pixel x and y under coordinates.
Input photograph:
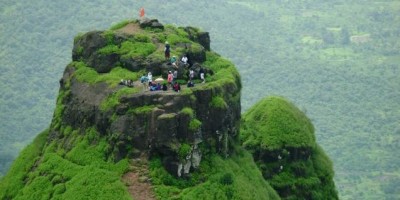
{"type": "Point", "coordinates": [282, 141]}
{"type": "Point", "coordinates": [156, 122]}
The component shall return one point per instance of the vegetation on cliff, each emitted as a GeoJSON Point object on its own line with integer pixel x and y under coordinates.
{"type": "Point", "coordinates": [48, 170]}
{"type": "Point", "coordinates": [282, 141]}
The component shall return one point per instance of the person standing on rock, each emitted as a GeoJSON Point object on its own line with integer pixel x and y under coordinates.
{"type": "Point", "coordinates": [185, 60]}
{"type": "Point", "coordinates": [175, 75]}
{"type": "Point", "coordinates": [191, 74]}
{"type": "Point", "coordinates": [167, 50]}
{"type": "Point", "coordinates": [150, 78]}
{"type": "Point", "coordinates": [170, 78]}
{"type": "Point", "coordinates": [144, 80]}
{"type": "Point", "coordinates": [202, 75]}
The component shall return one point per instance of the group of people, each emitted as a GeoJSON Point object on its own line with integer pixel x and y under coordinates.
{"type": "Point", "coordinates": [149, 84]}
{"type": "Point", "coordinates": [157, 86]}
{"type": "Point", "coordinates": [173, 60]}
{"type": "Point", "coordinates": [128, 82]}
{"type": "Point", "coordinates": [201, 72]}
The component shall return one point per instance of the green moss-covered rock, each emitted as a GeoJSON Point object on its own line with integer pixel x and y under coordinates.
{"type": "Point", "coordinates": [282, 141]}
{"type": "Point", "coordinates": [275, 123]}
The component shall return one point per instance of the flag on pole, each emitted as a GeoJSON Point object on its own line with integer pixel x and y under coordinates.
{"type": "Point", "coordinates": [141, 12]}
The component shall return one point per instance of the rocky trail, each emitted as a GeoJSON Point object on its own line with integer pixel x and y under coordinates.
{"type": "Point", "coordinates": [138, 181]}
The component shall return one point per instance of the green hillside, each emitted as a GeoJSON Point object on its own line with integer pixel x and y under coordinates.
{"type": "Point", "coordinates": [348, 86]}
{"type": "Point", "coordinates": [282, 141]}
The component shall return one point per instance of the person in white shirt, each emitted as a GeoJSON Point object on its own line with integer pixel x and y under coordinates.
{"type": "Point", "coordinates": [184, 59]}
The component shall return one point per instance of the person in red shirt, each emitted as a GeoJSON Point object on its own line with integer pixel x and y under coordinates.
{"type": "Point", "coordinates": [170, 78]}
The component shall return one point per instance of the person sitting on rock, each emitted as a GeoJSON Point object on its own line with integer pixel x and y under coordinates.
{"type": "Point", "coordinates": [177, 87]}
{"type": "Point", "coordinates": [122, 82]}
{"type": "Point", "coordinates": [128, 82]}
{"type": "Point", "coordinates": [164, 87]}
{"type": "Point", "coordinates": [190, 84]}
{"type": "Point", "coordinates": [153, 86]}
{"type": "Point", "coordinates": [174, 62]}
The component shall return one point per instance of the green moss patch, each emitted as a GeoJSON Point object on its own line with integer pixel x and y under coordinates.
{"type": "Point", "coordinates": [218, 102]}
{"type": "Point", "coordinates": [194, 125]}
{"type": "Point", "coordinates": [113, 100]}
{"type": "Point", "coordinates": [188, 111]}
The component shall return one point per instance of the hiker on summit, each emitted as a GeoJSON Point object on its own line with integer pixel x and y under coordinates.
{"type": "Point", "coordinates": [164, 87]}
{"type": "Point", "coordinates": [175, 76]}
{"type": "Point", "coordinates": [185, 60]}
{"type": "Point", "coordinates": [202, 75]}
{"type": "Point", "coordinates": [190, 84]}
{"type": "Point", "coordinates": [177, 87]}
{"type": "Point", "coordinates": [174, 62]}
{"type": "Point", "coordinates": [144, 80]}
{"type": "Point", "coordinates": [167, 50]}
{"type": "Point", "coordinates": [191, 74]}
{"type": "Point", "coordinates": [150, 78]}
{"type": "Point", "coordinates": [170, 78]}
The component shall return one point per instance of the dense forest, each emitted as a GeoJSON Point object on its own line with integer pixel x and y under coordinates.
{"type": "Point", "coordinates": [337, 60]}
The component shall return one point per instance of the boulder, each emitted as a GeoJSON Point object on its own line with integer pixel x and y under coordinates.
{"type": "Point", "coordinates": [87, 44]}
{"type": "Point", "coordinates": [150, 23]}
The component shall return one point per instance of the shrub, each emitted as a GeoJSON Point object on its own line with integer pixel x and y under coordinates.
{"type": "Point", "coordinates": [218, 102]}
{"type": "Point", "coordinates": [194, 125]}
{"type": "Point", "coordinates": [188, 111]}
{"type": "Point", "coordinates": [184, 150]}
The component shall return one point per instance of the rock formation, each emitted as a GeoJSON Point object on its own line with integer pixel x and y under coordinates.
{"type": "Point", "coordinates": [188, 140]}
{"type": "Point", "coordinates": [282, 141]}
